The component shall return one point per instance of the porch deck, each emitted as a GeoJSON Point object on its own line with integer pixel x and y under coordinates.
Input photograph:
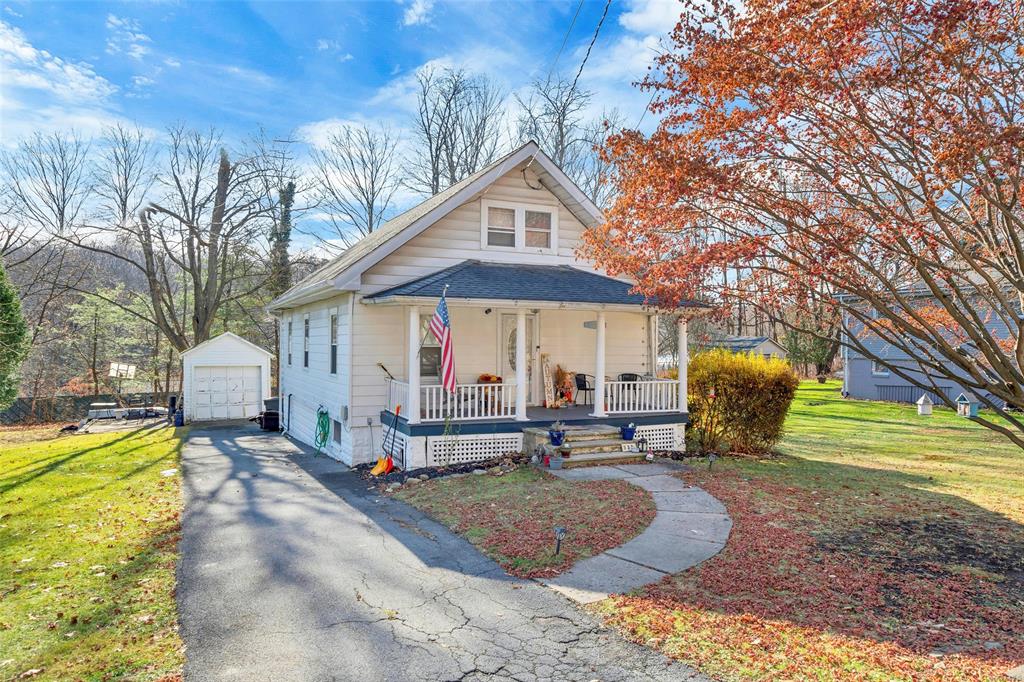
{"type": "Point", "coordinates": [537, 417]}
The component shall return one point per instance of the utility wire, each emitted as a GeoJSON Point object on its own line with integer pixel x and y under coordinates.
{"type": "Point", "coordinates": [565, 40]}
{"type": "Point", "coordinates": [590, 47]}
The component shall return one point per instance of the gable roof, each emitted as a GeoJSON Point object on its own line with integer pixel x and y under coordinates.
{"type": "Point", "coordinates": [741, 344]}
{"type": "Point", "coordinates": [474, 279]}
{"type": "Point", "coordinates": [222, 337]}
{"type": "Point", "coordinates": [372, 248]}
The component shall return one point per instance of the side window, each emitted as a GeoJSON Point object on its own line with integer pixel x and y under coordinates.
{"type": "Point", "coordinates": [305, 340]}
{"type": "Point", "coordinates": [878, 369]}
{"type": "Point", "coordinates": [289, 341]}
{"type": "Point", "coordinates": [334, 343]}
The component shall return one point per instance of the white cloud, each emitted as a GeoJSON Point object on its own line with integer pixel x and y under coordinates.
{"type": "Point", "coordinates": [172, 62]}
{"type": "Point", "coordinates": [10, 10]}
{"type": "Point", "coordinates": [126, 37]}
{"type": "Point", "coordinates": [418, 12]}
{"type": "Point", "coordinates": [317, 133]}
{"type": "Point", "coordinates": [142, 81]}
{"type": "Point", "coordinates": [347, 57]}
{"type": "Point", "coordinates": [252, 76]}
{"type": "Point", "coordinates": [322, 45]}
{"type": "Point", "coordinates": [28, 68]}
{"type": "Point", "coordinates": [42, 92]}
{"type": "Point", "coordinates": [648, 17]}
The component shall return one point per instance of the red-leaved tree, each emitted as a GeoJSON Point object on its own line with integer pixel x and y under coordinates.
{"type": "Point", "coordinates": [851, 160]}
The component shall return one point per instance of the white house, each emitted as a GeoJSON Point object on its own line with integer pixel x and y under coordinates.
{"type": "Point", "coordinates": [354, 338]}
{"type": "Point", "coordinates": [226, 377]}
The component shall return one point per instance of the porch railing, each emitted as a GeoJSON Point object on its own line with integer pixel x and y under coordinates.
{"type": "Point", "coordinates": [654, 395]}
{"type": "Point", "coordinates": [397, 394]}
{"type": "Point", "coordinates": [469, 402]}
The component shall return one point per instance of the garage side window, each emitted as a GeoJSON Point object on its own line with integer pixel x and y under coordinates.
{"type": "Point", "coordinates": [305, 340]}
{"type": "Point", "coordinates": [334, 343]}
{"type": "Point", "coordinates": [289, 342]}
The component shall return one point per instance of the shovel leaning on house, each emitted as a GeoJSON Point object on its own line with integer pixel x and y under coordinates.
{"type": "Point", "coordinates": [385, 463]}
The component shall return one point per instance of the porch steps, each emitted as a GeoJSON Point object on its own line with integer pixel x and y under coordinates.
{"type": "Point", "coordinates": [598, 458]}
{"type": "Point", "coordinates": [587, 447]}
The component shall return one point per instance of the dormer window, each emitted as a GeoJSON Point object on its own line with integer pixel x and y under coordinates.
{"type": "Point", "coordinates": [519, 227]}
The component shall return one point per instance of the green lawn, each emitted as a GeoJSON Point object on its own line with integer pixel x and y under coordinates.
{"type": "Point", "coordinates": [879, 545]}
{"type": "Point", "coordinates": [89, 530]}
{"type": "Point", "coordinates": [943, 453]}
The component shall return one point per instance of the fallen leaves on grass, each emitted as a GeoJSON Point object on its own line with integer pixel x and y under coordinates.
{"type": "Point", "coordinates": [512, 517]}
{"type": "Point", "coordinates": [842, 583]}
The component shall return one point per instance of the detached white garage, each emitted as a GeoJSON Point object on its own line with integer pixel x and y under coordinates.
{"type": "Point", "coordinates": [226, 377]}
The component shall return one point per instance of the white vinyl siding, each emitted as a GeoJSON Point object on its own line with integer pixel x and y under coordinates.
{"type": "Point", "coordinates": [457, 237]}
{"type": "Point", "coordinates": [309, 387]}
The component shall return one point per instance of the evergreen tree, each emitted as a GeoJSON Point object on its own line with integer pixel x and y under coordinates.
{"type": "Point", "coordinates": [13, 340]}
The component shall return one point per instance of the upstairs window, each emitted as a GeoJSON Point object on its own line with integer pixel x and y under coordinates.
{"type": "Point", "coordinates": [501, 227]}
{"type": "Point", "coordinates": [519, 227]}
{"type": "Point", "coordinates": [538, 229]}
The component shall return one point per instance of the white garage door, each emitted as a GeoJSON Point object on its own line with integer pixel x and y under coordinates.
{"type": "Point", "coordinates": [226, 392]}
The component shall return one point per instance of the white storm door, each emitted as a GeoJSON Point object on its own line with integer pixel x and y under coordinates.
{"type": "Point", "coordinates": [507, 352]}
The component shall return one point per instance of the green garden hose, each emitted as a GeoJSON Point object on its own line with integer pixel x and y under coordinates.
{"type": "Point", "coordinates": [323, 429]}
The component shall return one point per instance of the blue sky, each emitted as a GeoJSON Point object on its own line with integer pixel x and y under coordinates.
{"type": "Point", "coordinates": [296, 68]}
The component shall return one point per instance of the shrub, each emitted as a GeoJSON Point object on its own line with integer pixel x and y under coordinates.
{"type": "Point", "coordinates": [739, 401]}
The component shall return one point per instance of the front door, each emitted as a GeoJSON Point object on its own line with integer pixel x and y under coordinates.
{"type": "Point", "coordinates": [507, 351]}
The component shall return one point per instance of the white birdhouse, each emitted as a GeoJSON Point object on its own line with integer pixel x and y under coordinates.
{"type": "Point", "coordinates": [924, 405]}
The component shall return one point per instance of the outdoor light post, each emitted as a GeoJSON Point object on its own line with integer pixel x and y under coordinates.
{"type": "Point", "coordinates": [559, 536]}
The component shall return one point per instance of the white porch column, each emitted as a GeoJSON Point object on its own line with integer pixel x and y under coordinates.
{"type": "Point", "coordinates": [684, 359]}
{"type": "Point", "coordinates": [599, 368]}
{"type": "Point", "coordinates": [521, 388]}
{"type": "Point", "coordinates": [652, 351]}
{"type": "Point", "coordinates": [412, 410]}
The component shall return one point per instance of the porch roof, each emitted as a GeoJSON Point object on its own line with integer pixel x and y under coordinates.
{"type": "Point", "coordinates": [473, 279]}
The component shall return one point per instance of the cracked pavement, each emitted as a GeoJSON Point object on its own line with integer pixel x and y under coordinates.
{"type": "Point", "coordinates": [292, 570]}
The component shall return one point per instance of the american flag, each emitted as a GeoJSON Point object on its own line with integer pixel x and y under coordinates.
{"type": "Point", "coordinates": [441, 326]}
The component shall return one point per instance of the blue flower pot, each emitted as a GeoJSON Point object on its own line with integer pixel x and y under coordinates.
{"type": "Point", "coordinates": [556, 437]}
{"type": "Point", "coordinates": [628, 432]}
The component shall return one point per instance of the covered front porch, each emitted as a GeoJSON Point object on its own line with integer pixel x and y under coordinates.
{"type": "Point", "coordinates": [514, 328]}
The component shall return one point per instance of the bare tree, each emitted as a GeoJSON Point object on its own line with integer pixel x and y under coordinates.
{"type": "Point", "coordinates": [124, 173]}
{"type": "Point", "coordinates": [46, 187]}
{"type": "Point", "coordinates": [456, 130]}
{"type": "Point", "coordinates": [356, 177]}
{"type": "Point", "coordinates": [203, 245]}
{"type": "Point", "coordinates": [553, 114]}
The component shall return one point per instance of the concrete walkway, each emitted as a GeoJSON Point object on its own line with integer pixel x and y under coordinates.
{"type": "Point", "coordinates": [691, 526]}
{"type": "Point", "coordinates": [291, 569]}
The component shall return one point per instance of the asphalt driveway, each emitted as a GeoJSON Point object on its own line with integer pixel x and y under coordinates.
{"type": "Point", "coordinates": [292, 570]}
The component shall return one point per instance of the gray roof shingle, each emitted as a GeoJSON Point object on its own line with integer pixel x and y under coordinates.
{"type": "Point", "coordinates": [519, 282]}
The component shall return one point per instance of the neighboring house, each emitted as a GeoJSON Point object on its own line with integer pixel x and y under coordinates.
{"type": "Point", "coordinates": [504, 241]}
{"type": "Point", "coordinates": [868, 379]}
{"type": "Point", "coordinates": [759, 345]}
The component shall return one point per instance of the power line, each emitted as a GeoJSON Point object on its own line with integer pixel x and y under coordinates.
{"type": "Point", "coordinates": [590, 47]}
{"type": "Point", "coordinates": [565, 39]}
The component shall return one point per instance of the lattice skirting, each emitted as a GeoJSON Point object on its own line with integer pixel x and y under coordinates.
{"type": "Point", "coordinates": [444, 450]}
{"type": "Point", "coordinates": [663, 436]}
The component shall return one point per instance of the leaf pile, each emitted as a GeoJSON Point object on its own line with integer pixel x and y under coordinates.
{"type": "Point", "coordinates": [511, 517]}
{"type": "Point", "coordinates": [837, 577]}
